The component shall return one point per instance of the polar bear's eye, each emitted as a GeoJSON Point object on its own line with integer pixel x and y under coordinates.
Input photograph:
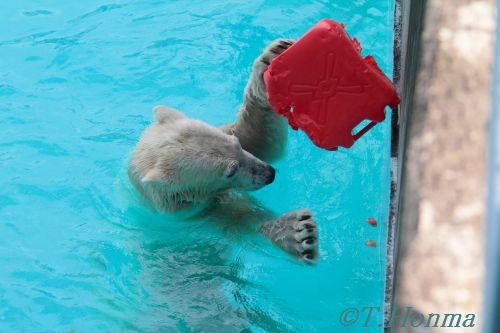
{"type": "Point", "coordinates": [231, 169]}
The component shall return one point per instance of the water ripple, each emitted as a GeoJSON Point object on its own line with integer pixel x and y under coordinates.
{"type": "Point", "coordinates": [100, 10]}
{"type": "Point", "coordinates": [40, 145]}
{"type": "Point", "coordinates": [37, 12]}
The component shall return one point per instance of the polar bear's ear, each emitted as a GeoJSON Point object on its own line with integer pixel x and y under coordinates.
{"type": "Point", "coordinates": [156, 175]}
{"type": "Point", "coordinates": [165, 114]}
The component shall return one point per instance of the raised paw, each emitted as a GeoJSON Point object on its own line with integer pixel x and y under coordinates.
{"type": "Point", "coordinates": [275, 48]}
{"type": "Point", "coordinates": [296, 233]}
{"type": "Point", "coordinates": [256, 86]}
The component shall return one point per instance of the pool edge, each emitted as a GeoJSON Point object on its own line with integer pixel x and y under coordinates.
{"type": "Point", "coordinates": [407, 14]}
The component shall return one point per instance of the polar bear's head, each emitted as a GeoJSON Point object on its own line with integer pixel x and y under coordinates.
{"type": "Point", "coordinates": [180, 162]}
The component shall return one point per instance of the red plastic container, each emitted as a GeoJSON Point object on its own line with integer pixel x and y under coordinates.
{"type": "Point", "coordinates": [323, 86]}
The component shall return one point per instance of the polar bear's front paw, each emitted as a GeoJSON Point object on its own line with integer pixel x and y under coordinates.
{"type": "Point", "coordinates": [256, 86]}
{"type": "Point", "coordinates": [296, 233]}
{"type": "Point", "coordinates": [275, 48]}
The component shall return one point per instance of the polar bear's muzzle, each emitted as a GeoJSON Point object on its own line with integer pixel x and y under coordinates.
{"type": "Point", "coordinates": [263, 175]}
{"type": "Point", "coordinates": [269, 173]}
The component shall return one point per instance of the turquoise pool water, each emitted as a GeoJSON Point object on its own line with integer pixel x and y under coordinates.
{"type": "Point", "coordinates": [77, 84]}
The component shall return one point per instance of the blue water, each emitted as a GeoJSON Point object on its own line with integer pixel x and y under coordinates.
{"type": "Point", "coordinates": [77, 84]}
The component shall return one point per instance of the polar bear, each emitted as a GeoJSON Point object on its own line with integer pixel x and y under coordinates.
{"type": "Point", "coordinates": [185, 165]}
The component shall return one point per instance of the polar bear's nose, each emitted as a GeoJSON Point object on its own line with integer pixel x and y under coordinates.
{"type": "Point", "coordinates": [270, 173]}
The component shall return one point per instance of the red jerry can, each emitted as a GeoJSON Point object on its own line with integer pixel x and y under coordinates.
{"type": "Point", "coordinates": [323, 86]}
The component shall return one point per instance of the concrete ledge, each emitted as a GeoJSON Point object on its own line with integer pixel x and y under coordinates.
{"type": "Point", "coordinates": [442, 155]}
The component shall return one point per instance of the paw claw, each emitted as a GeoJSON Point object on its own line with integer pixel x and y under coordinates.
{"type": "Point", "coordinates": [305, 233]}
{"type": "Point", "coordinates": [304, 224]}
{"type": "Point", "coordinates": [308, 244]}
{"type": "Point", "coordinates": [309, 257]}
{"type": "Point", "coordinates": [304, 217]}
